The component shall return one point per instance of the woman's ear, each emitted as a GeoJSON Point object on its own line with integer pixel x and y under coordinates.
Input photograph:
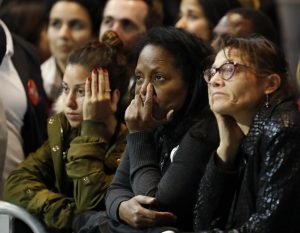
{"type": "Point", "coordinates": [272, 83]}
{"type": "Point", "coordinates": [115, 97]}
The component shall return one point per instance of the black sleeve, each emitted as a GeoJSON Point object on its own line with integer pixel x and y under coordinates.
{"type": "Point", "coordinates": [120, 188]}
{"type": "Point", "coordinates": [175, 191]}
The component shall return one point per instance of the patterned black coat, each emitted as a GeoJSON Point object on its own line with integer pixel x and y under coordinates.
{"type": "Point", "coordinates": [263, 193]}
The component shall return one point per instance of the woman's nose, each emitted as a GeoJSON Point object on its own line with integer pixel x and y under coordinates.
{"type": "Point", "coordinates": [71, 101]}
{"type": "Point", "coordinates": [64, 31]}
{"type": "Point", "coordinates": [181, 23]}
{"type": "Point", "coordinates": [143, 89]}
{"type": "Point", "coordinates": [216, 80]}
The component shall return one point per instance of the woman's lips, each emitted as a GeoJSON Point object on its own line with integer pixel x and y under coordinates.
{"type": "Point", "coordinates": [73, 116]}
{"type": "Point", "coordinates": [64, 48]}
{"type": "Point", "coordinates": [218, 94]}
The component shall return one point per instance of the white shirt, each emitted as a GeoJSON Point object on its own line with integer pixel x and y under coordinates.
{"type": "Point", "coordinates": [3, 143]}
{"type": "Point", "coordinates": [13, 96]}
{"type": "Point", "coordinates": [52, 78]}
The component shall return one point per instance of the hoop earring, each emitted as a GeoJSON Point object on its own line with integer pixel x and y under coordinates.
{"type": "Point", "coordinates": [267, 103]}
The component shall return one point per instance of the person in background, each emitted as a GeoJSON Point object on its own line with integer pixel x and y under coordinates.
{"type": "Point", "coordinates": [268, 7]}
{"type": "Point", "coordinates": [201, 16]}
{"type": "Point", "coordinates": [29, 20]}
{"type": "Point", "coordinates": [130, 19]}
{"type": "Point", "coordinates": [71, 171]}
{"type": "Point", "coordinates": [72, 23]}
{"type": "Point", "coordinates": [23, 99]}
{"type": "Point", "coordinates": [168, 114]}
{"type": "Point", "coordinates": [243, 22]}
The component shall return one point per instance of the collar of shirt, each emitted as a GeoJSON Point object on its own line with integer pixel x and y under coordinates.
{"type": "Point", "coordinates": [9, 41]}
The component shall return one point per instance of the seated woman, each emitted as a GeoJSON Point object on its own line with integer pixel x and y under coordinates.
{"type": "Point", "coordinates": [70, 173]}
{"type": "Point", "coordinates": [157, 180]}
{"type": "Point", "coordinates": [251, 183]}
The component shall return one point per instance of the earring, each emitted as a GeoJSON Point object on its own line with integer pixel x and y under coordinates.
{"type": "Point", "coordinates": [267, 103]}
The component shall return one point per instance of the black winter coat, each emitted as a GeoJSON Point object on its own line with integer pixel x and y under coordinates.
{"type": "Point", "coordinates": [263, 193]}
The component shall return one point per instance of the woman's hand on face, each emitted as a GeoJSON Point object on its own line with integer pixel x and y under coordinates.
{"type": "Point", "coordinates": [97, 105]}
{"type": "Point", "coordinates": [231, 136]}
{"type": "Point", "coordinates": [135, 214]}
{"type": "Point", "coordinates": [138, 115]}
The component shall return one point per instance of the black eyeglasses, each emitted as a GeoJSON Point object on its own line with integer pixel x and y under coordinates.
{"type": "Point", "coordinates": [226, 71]}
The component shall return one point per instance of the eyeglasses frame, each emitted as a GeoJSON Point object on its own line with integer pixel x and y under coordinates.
{"type": "Point", "coordinates": [235, 65]}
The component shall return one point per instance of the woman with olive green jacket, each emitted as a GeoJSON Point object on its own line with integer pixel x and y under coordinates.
{"type": "Point", "coordinates": [58, 181]}
{"type": "Point", "coordinates": [72, 170]}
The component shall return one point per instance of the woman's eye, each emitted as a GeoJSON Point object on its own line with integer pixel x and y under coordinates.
{"type": "Point", "coordinates": [192, 17]}
{"type": "Point", "coordinates": [65, 90]}
{"type": "Point", "coordinates": [138, 78]}
{"type": "Point", "coordinates": [227, 69]}
{"type": "Point", "coordinates": [159, 77]}
{"type": "Point", "coordinates": [80, 92]}
{"type": "Point", "coordinates": [55, 24]}
{"type": "Point", "coordinates": [76, 24]}
{"type": "Point", "coordinates": [108, 21]}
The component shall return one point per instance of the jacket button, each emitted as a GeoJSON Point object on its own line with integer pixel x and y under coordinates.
{"type": "Point", "coordinates": [86, 180]}
{"type": "Point", "coordinates": [55, 148]}
{"type": "Point", "coordinates": [28, 192]}
{"type": "Point", "coordinates": [64, 156]}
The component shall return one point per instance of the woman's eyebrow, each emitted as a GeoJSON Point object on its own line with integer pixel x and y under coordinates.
{"type": "Point", "coordinates": [80, 84]}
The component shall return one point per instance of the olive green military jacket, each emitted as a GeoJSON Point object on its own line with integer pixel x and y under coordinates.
{"type": "Point", "coordinates": [68, 174]}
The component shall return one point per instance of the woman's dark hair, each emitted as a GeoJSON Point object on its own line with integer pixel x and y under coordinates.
{"type": "Point", "coordinates": [107, 54]}
{"type": "Point", "coordinates": [263, 55]}
{"type": "Point", "coordinates": [188, 54]}
{"type": "Point", "coordinates": [214, 10]}
{"type": "Point", "coordinates": [94, 9]}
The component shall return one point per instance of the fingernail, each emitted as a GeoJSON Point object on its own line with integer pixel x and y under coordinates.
{"type": "Point", "coordinates": [89, 78]}
{"type": "Point", "coordinates": [105, 70]}
{"type": "Point", "coordinates": [95, 70]}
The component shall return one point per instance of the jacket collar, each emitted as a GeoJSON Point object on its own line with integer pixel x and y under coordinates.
{"type": "Point", "coordinates": [9, 41]}
{"type": "Point", "coordinates": [250, 143]}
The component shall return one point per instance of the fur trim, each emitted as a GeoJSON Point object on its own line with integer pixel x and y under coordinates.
{"type": "Point", "coordinates": [58, 106]}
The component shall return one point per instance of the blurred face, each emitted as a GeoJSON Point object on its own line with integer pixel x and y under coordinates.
{"type": "Point", "coordinates": [192, 19]}
{"type": "Point", "coordinates": [155, 66]}
{"type": "Point", "coordinates": [126, 18]}
{"type": "Point", "coordinates": [69, 27]}
{"type": "Point", "coordinates": [232, 24]}
{"type": "Point", "coordinates": [240, 95]}
{"type": "Point", "coordinates": [43, 45]}
{"type": "Point", "coordinates": [73, 93]}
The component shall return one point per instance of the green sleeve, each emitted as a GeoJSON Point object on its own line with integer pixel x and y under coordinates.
{"type": "Point", "coordinates": [91, 165]}
{"type": "Point", "coordinates": [29, 186]}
